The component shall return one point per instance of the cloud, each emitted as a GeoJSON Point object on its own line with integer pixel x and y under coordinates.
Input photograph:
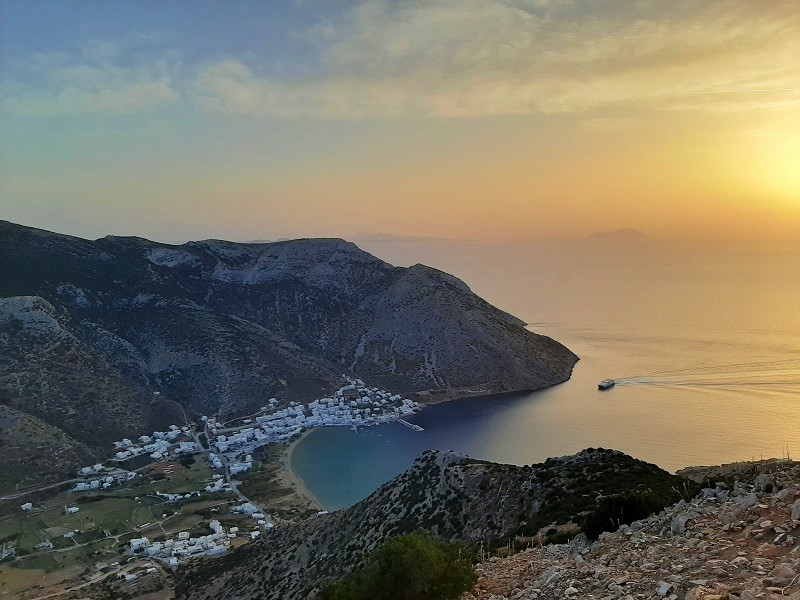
{"type": "Point", "coordinates": [449, 58]}
{"type": "Point", "coordinates": [499, 57]}
{"type": "Point", "coordinates": [93, 79]}
{"type": "Point", "coordinates": [230, 86]}
{"type": "Point", "coordinates": [94, 90]}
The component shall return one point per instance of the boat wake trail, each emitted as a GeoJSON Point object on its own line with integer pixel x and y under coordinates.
{"type": "Point", "coordinates": [756, 373]}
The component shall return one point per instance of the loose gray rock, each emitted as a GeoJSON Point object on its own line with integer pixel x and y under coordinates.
{"type": "Point", "coordinates": [763, 483]}
{"type": "Point", "coordinates": [782, 574]}
{"type": "Point", "coordinates": [680, 522]}
{"type": "Point", "coordinates": [747, 501]}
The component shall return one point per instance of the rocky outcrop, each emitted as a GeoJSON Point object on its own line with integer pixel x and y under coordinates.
{"type": "Point", "coordinates": [51, 458]}
{"type": "Point", "coordinates": [446, 494]}
{"type": "Point", "coordinates": [94, 328]}
{"type": "Point", "coordinates": [68, 389]}
{"type": "Point", "coordinates": [736, 540]}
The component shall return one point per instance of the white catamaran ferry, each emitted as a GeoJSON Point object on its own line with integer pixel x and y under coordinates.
{"type": "Point", "coordinates": [606, 384]}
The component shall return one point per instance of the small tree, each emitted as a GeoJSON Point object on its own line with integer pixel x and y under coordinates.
{"type": "Point", "coordinates": [409, 567]}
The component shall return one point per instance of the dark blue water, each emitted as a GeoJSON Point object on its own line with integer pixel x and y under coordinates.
{"type": "Point", "coordinates": [341, 466]}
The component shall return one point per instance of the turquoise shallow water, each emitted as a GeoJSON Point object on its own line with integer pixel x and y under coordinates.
{"type": "Point", "coordinates": [334, 459]}
{"type": "Point", "coordinates": [723, 326]}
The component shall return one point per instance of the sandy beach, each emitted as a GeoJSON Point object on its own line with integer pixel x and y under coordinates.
{"type": "Point", "coordinates": [290, 479]}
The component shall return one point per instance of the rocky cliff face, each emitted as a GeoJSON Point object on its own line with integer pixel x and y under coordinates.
{"type": "Point", "coordinates": [68, 388]}
{"type": "Point", "coordinates": [733, 541]}
{"type": "Point", "coordinates": [446, 494]}
{"type": "Point", "coordinates": [89, 330]}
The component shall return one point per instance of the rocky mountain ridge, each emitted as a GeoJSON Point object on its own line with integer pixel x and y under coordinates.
{"type": "Point", "coordinates": [734, 541]}
{"type": "Point", "coordinates": [91, 330]}
{"type": "Point", "coordinates": [446, 494]}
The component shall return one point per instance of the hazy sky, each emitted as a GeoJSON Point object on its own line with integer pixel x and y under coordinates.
{"type": "Point", "coordinates": [482, 119]}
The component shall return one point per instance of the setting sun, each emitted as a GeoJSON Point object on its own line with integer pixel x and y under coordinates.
{"type": "Point", "coordinates": [781, 167]}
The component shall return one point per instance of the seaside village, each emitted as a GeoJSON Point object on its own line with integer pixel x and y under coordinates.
{"type": "Point", "coordinates": [229, 447]}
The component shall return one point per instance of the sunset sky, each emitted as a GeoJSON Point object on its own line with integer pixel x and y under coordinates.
{"type": "Point", "coordinates": [479, 119]}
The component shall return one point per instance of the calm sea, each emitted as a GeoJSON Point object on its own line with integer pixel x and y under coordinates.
{"type": "Point", "coordinates": [706, 342]}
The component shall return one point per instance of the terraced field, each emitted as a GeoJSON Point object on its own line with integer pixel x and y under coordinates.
{"type": "Point", "coordinates": [106, 521]}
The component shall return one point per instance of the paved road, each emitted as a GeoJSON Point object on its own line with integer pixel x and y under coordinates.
{"type": "Point", "coordinates": [226, 466]}
{"type": "Point", "coordinates": [97, 579]}
{"type": "Point", "coordinates": [39, 489]}
{"type": "Point", "coordinates": [94, 579]}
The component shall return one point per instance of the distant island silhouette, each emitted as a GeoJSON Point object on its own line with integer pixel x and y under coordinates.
{"type": "Point", "coordinates": [365, 236]}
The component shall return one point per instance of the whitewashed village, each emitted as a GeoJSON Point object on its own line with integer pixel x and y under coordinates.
{"type": "Point", "coordinates": [228, 447]}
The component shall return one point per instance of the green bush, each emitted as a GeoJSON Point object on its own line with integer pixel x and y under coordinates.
{"type": "Point", "coordinates": [409, 567]}
{"type": "Point", "coordinates": [624, 509]}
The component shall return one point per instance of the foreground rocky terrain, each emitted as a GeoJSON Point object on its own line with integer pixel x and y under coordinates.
{"type": "Point", "coordinates": [733, 541]}
{"type": "Point", "coordinates": [735, 538]}
{"type": "Point", "coordinates": [448, 495]}
{"type": "Point", "coordinates": [117, 337]}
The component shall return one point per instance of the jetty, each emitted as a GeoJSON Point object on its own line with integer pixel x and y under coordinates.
{"type": "Point", "coordinates": [411, 426]}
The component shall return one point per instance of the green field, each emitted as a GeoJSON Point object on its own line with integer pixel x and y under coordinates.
{"type": "Point", "coordinates": [182, 480]}
{"type": "Point", "coordinates": [262, 482]}
{"type": "Point", "coordinates": [113, 512]}
{"type": "Point", "coordinates": [106, 521]}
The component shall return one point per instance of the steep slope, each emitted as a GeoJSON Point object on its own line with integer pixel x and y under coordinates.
{"type": "Point", "coordinates": [444, 493]}
{"type": "Point", "coordinates": [69, 390]}
{"type": "Point", "coordinates": [94, 328]}
{"type": "Point", "coordinates": [35, 453]}
{"type": "Point", "coordinates": [57, 372]}
{"type": "Point", "coordinates": [731, 541]}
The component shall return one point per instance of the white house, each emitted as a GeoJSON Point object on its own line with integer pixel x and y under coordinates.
{"type": "Point", "coordinates": [137, 543]}
{"type": "Point", "coordinates": [246, 508]}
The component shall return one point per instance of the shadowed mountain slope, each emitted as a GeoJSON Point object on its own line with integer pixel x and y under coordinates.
{"type": "Point", "coordinates": [89, 330]}
{"type": "Point", "coordinates": [445, 494]}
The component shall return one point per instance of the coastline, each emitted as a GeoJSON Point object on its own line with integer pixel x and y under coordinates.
{"type": "Point", "coordinates": [428, 398]}
{"type": "Point", "coordinates": [289, 478]}
{"type": "Point", "coordinates": [292, 479]}
{"type": "Point", "coordinates": [431, 397]}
